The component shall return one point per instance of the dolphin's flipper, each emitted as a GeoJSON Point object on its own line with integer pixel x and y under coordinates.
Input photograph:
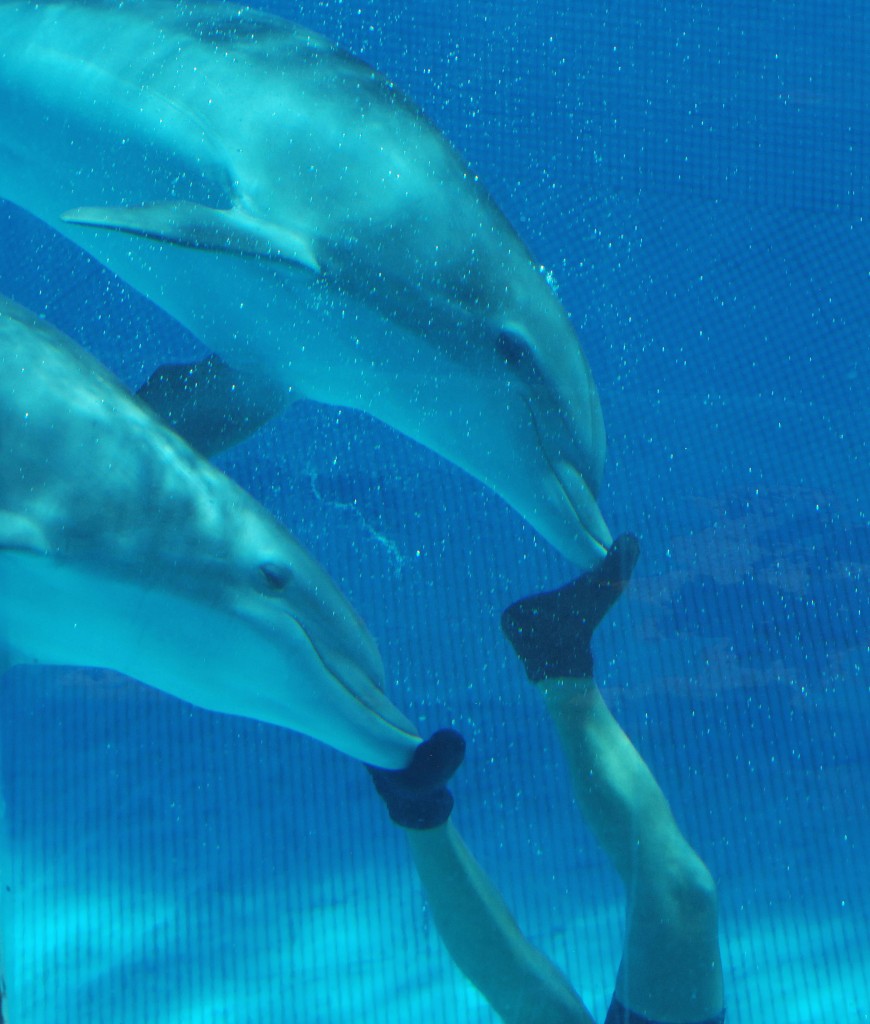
{"type": "Point", "coordinates": [18, 533]}
{"type": "Point", "coordinates": [211, 405]}
{"type": "Point", "coordinates": [195, 226]}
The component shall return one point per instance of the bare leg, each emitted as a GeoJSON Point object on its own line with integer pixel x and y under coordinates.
{"type": "Point", "coordinates": [477, 928]}
{"type": "Point", "coordinates": [518, 981]}
{"type": "Point", "coordinates": [671, 969]}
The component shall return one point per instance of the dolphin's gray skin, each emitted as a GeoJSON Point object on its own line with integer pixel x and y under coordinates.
{"type": "Point", "coordinates": [285, 202]}
{"type": "Point", "coordinates": [122, 548]}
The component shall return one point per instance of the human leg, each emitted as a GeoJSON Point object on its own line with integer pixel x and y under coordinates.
{"type": "Point", "coordinates": [474, 922]}
{"type": "Point", "coordinates": [521, 984]}
{"type": "Point", "coordinates": [670, 969]}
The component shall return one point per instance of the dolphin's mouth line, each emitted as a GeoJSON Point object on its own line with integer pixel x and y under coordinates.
{"type": "Point", "coordinates": [559, 480]}
{"type": "Point", "coordinates": [344, 686]}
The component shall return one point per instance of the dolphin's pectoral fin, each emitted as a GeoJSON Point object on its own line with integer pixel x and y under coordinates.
{"type": "Point", "coordinates": [19, 536]}
{"type": "Point", "coordinates": [18, 533]}
{"type": "Point", "coordinates": [212, 405]}
{"type": "Point", "coordinates": [202, 227]}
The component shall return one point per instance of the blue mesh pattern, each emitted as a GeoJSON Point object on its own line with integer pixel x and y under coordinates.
{"type": "Point", "coordinates": [695, 176]}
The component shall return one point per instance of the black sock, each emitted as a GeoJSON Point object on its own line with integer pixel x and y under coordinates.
{"type": "Point", "coordinates": [417, 796]}
{"type": "Point", "coordinates": [552, 632]}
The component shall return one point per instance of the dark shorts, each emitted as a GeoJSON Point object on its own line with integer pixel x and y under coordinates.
{"type": "Point", "coordinates": [617, 1014]}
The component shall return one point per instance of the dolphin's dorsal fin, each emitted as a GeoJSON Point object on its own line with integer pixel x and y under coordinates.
{"type": "Point", "coordinates": [210, 404]}
{"type": "Point", "coordinates": [195, 226]}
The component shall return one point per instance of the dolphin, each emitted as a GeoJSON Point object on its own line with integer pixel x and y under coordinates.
{"type": "Point", "coordinates": [123, 548]}
{"type": "Point", "coordinates": [290, 207]}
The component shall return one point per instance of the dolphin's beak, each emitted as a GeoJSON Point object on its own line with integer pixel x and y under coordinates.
{"type": "Point", "coordinates": [594, 534]}
{"type": "Point", "coordinates": [363, 687]}
{"type": "Point", "coordinates": [572, 494]}
{"type": "Point", "coordinates": [348, 653]}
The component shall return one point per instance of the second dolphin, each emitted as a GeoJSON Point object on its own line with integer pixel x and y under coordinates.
{"type": "Point", "coordinates": [122, 548]}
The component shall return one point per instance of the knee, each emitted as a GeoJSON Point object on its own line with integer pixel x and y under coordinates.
{"type": "Point", "coordinates": [690, 895]}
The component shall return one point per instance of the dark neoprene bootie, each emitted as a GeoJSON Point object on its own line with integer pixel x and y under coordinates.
{"type": "Point", "coordinates": [552, 632]}
{"type": "Point", "coordinates": [417, 796]}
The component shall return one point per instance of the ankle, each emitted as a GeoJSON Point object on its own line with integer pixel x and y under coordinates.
{"type": "Point", "coordinates": [569, 692]}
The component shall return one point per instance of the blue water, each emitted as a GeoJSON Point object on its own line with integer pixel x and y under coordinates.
{"type": "Point", "coordinates": [696, 177]}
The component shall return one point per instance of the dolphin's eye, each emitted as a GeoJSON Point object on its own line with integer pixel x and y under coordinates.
{"type": "Point", "coordinates": [277, 576]}
{"type": "Point", "coordinates": [512, 348]}
{"type": "Point", "coordinates": [519, 356]}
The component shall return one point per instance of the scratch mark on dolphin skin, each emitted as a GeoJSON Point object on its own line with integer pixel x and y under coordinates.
{"type": "Point", "coordinates": [398, 561]}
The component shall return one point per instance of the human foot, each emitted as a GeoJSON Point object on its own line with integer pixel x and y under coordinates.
{"type": "Point", "coordinates": [417, 796]}
{"type": "Point", "coordinates": [552, 632]}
